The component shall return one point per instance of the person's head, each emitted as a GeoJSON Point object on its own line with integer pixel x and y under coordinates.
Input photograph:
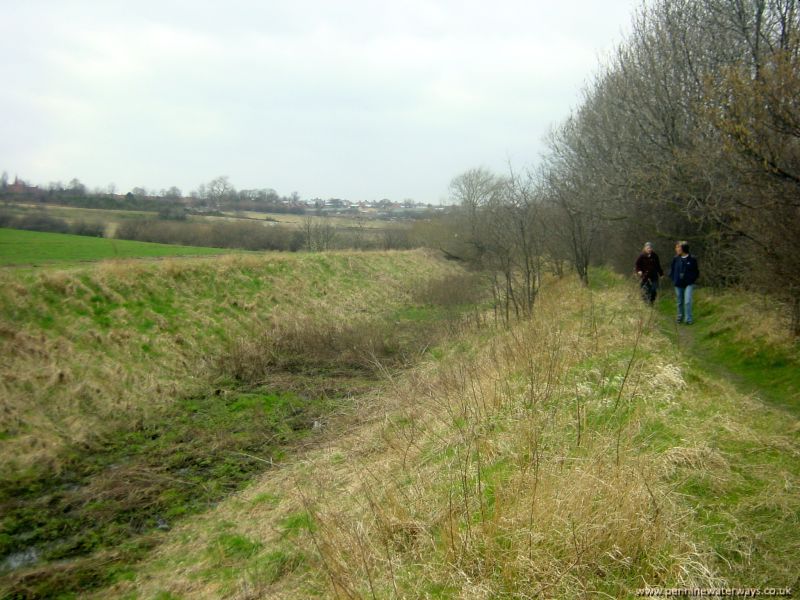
{"type": "Point", "coordinates": [648, 248]}
{"type": "Point", "coordinates": [682, 247]}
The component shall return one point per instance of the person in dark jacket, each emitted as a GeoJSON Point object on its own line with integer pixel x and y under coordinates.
{"type": "Point", "coordinates": [684, 272]}
{"type": "Point", "coordinates": [648, 268]}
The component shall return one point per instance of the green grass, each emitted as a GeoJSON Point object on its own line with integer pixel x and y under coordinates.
{"type": "Point", "coordinates": [19, 247]}
{"type": "Point", "coordinates": [724, 341]}
{"type": "Point", "coordinates": [745, 399]}
{"type": "Point", "coordinates": [706, 477]}
{"type": "Point", "coordinates": [233, 546]}
{"type": "Point", "coordinates": [277, 563]}
{"type": "Point", "coordinates": [184, 461]}
{"type": "Point", "coordinates": [296, 523]}
{"type": "Point", "coordinates": [170, 433]}
{"type": "Point", "coordinates": [601, 278]}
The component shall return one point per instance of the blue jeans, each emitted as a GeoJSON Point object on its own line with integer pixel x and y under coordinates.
{"type": "Point", "coordinates": [684, 297]}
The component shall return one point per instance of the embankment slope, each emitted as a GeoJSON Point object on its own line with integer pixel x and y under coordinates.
{"type": "Point", "coordinates": [137, 393]}
{"type": "Point", "coordinates": [579, 454]}
{"type": "Point", "coordinates": [107, 343]}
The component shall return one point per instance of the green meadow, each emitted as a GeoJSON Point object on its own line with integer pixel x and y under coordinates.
{"type": "Point", "coordinates": [19, 247]}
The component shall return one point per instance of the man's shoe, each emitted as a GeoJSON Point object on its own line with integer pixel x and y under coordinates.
{"type": "Point", "coordinates": [679, 320]}
{"type": "Point", "coordinates": [689, 322]}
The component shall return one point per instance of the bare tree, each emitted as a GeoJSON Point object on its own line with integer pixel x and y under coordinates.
{"type": "Point", "coordinates": [218, 190]}
{"type": "Point", "coordinates": [319, 233]}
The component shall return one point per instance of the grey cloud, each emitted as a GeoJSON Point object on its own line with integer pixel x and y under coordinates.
{"type": "Point", "coordinates": [352, 99]}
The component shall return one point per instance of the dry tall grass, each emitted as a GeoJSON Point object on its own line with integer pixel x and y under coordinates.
{"type": "Point", "coordinates": [83, 351]}
{"type": "Point", "coordinates": [515, 473]}
{"type": "Point", "coordinates": [516, 465]}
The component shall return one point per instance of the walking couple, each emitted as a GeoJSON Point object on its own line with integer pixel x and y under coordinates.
{"type": "Point", "coordinates": [683, 272]}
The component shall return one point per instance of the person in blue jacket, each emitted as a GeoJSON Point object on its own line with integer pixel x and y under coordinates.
{"type": "Point", "coordinates": [684, 272]}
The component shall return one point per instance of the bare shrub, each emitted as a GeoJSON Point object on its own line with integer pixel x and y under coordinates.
{"type": "Point", "coordinates": [41, 222]}
{"type": "Point", "coordinates": [87, 229]}
{"type": "Point", "coordinates": [6, 219]}
{"type": "Point", "coordinates": [451, 290]}
{"type": "Point", "coordinates": [306, 343]}
{"type": "Point", "coordinates": [244, 236]}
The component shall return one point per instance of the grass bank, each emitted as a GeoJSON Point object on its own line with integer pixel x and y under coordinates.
{"type": "Point", "coordinates": [745, 338]}
{"type": "Point", "coordinates": [579, 454]}
{"type": "Point", "coordinates": [139, 393]}
{"type": "Point", "coordinates": [744, 370]}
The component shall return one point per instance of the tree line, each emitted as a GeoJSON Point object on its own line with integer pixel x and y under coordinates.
{"type": "Point", "coordinates": [216, 195]}
{"type": "Point", "coordinates": [691, 130]}
{"type": "Point", "coordinates": [312, 234]}
{"type": "Point", "coordinates": [43, 222]}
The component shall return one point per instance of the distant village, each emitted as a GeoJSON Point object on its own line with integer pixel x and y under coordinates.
{"type": "Point", "coordinates": [218, 196]}
{"type": "Point", "coordinates": [384, 207]}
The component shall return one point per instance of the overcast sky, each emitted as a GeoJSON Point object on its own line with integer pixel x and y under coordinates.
{"type": "Point", "coordinates": [353, 99]}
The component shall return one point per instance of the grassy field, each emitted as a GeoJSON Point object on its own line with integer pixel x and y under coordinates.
{"type": "Point", "coordinates": [586, 453]}
{"type": "Point", "coordinates": [73, 213]}
{"type": "Point", "coordinates": [137, 393]}
{"type": "Point", "coordinates": [316, 426]}
{"type": "Point", "coordinates": [297, 220]}
{"type": "Point", "coordinates": [33, 247]}
{"type": "Point", "coordinates": [109, 219]}
{"type": "Point", "coordinates": [112, 218]}
{"type": "Point", "coordinates": [744, 371]}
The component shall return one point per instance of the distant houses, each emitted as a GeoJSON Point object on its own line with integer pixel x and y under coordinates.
{"type": "Point", "coordinates": [208, 200]}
